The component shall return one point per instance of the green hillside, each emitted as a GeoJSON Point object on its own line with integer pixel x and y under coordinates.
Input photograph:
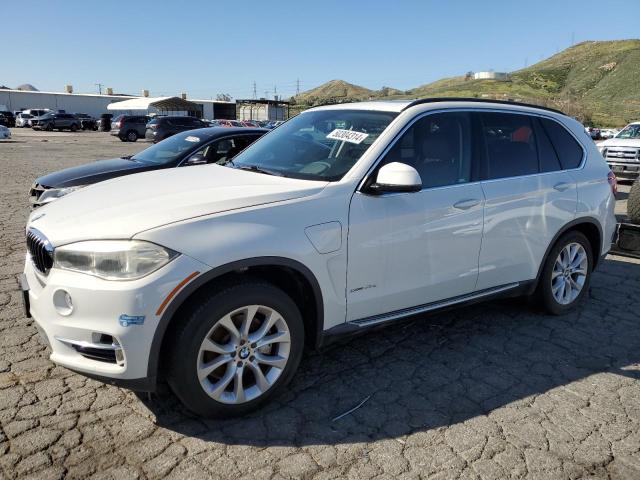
{"type": "Point", "coordinates": [597, 82]}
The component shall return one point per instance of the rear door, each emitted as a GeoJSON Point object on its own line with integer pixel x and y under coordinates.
{"type": "Point", "coordinates": [529, 197]}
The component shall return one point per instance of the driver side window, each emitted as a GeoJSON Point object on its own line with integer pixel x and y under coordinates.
{"type": "Point", "coordinates": [438, 146]}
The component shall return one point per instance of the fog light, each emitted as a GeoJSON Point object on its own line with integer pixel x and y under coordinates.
{"type": "Point", "coordinates": [62, 302]}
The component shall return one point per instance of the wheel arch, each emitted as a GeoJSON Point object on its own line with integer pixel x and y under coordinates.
{"type": "Point", "coordinates": [288, 274]}
{"type": "Point", "coordinates": [588, 226]}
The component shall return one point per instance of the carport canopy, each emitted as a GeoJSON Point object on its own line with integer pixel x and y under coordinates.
{"type": "Point", "coordinates": [169, 104]}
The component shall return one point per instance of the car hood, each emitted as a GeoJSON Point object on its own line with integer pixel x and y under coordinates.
{"type": "Point", "coordinates": [125, 206]}
{"type": "Point", "coordinates": [621, 142]}
{"type": "Point", "coordinates": [92, 172]}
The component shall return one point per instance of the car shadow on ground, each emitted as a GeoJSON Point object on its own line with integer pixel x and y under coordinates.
{"type": "Point", "coordinates": [438, 370]}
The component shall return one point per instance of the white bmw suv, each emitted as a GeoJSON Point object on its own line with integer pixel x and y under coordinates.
{"type": "Point", "coordinates": [216, 278]}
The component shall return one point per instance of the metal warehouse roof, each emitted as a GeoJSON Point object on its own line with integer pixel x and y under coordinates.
{"type": "Point", "coordinates": [161, 103]}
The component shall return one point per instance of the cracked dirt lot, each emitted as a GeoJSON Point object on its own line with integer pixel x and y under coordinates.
{"type": "Point", "coordinates": [491, 391]}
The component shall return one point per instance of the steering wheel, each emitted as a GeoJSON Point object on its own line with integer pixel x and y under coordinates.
{"type": "Point", "coordinates": [316, 167]}
{"type": "Point", "coordinates": [306, 139]}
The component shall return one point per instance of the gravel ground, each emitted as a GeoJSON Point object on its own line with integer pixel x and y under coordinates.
{"type": "Point", "coordinates": [493, 391]}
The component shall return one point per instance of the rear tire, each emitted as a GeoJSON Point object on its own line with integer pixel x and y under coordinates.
{"type": "Point", "coordinates": [566, 274]}
{"type": "Point", "coordinates": [633, 203]}
{"type": "Point", "coordinates": [221, 365]}
{"type": "Point", "coordinates": [132, 136]}
{"type": "Point", "coordinates": [74, 127]}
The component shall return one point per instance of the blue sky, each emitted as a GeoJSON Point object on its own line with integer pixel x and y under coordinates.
{"type": "Point", "coordinates": [209, 47]}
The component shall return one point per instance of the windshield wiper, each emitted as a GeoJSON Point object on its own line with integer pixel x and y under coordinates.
{"type": "Point", "coordinates": [127, 157]}
{"type": "Point", "coordinates": [257, 169]}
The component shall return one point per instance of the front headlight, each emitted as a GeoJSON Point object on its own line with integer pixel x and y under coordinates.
{"type": "Point", "coordinates": [113, 259]}
{"type": "Point", "coordinates": [55, 193]}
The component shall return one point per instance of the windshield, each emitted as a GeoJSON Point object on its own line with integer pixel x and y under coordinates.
{"type": "Point", "coordinates": [316, 145]}
{"type": "Point", "coordinates": [171, 149]}
{"type": "Point", "coordinates": [630, 131]}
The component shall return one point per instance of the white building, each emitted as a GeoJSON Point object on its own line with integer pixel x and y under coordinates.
{"type": "Point", "coordinates": [95, 104]}
{"type": "Point", "coordinates": [491, 75]}
{"type": "Point", "coordinates": [262, 109]}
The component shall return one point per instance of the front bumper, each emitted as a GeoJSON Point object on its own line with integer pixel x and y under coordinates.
{"type": "Point", "coordinates": [109, 332]}
{"type": "Point", "coordinates": [625, 170]}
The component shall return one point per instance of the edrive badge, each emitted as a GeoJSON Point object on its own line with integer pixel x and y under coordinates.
{"type": "Point", "coordinates": [128, 320]}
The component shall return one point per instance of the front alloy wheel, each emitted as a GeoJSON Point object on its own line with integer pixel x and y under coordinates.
{"type": "Point", "coordinates": [243, 354]}
{"type": "Point", "coordinates": [240, 345]}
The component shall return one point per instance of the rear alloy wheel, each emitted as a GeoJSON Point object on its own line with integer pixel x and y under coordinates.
{"type": "Point", "coordinates": [241, 346]}
{"type": "Point", "coordinates": [74, 127]}
{"type": "Point", "coordinates": [132, 136]}
{"type": "Point", "coordinates": [566, 274]}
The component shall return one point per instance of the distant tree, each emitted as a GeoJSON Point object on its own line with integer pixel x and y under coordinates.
{"type": "Point", "coordinates": [292, 101]}
{"type": "Point", "coordinates": [468, 75]}
{"type": "Point", "coordinates": [223, 97]}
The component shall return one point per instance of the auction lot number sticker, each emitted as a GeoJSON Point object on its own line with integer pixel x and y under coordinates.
{"type": "Point", "coordinates": [347, 136]}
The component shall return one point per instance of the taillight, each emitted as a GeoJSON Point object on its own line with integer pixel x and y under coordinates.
{"type": "Point", "coordinates": [613, 182]}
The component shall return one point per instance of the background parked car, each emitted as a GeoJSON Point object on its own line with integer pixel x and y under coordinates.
{"type": "Point", "coordinates": [55, 121]}
{"type": "Point", "coordinates": [160, 128]}
{"type": "Point", "coordinates": [7, 119]}
{"type": "Point", "coordinates": [229, 123]}
{"type": "Point", "coordinates": [103, 124]}
{"type": "Point", "coordinates": [129, 128]}
{"type": "Point", "coordinates": [87, 122]}
{"type": "Point", "coordinates": [36, 112]}
{"type": "Point", "coordinates": [210, 145]}
{"type": "Point", "coordinates": [22, 120]}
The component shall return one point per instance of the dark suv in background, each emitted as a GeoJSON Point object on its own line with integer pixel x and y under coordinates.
{"type": "Point", "coordinates": [129, 128]}
{"type": "Point", "coordinates": [56, 121]}
{"type": "Point", "coordinates": [162, 127]}
{"type": "Point", "coordinates": [7, 119]}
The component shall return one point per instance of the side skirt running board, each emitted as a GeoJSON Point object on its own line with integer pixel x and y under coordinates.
{"type": "Point", "coordinates": [391, 316]}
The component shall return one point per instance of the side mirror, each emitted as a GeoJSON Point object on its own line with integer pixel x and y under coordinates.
{"type": "Point", "coordinates": [196, 159]}
{"type": "Point", "coordinates": [396, 177]}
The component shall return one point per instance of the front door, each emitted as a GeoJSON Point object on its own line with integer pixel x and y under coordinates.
{"type": "Point", "coordinates": [410, 249]}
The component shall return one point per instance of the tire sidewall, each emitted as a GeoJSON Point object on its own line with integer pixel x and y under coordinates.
{"type": "Point", "coordinates": [547, 298]}
{"type": "Point", "coordinates": [132, 136]}
{"type": "Point", "coordinates": [182, 373]}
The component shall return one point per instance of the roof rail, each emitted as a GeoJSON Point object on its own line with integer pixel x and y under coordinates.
{"type": "Point", "coordinates": [478, 100]}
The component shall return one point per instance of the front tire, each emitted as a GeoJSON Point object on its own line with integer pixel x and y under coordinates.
{"type": "Point", "coordinates": [74, 127]}
{"type": "Point", "coordinates": [237, 349]}
{"type": "Point", "coordinates": [566, 274]}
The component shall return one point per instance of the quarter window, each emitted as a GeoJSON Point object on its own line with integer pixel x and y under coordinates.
{"type": "Point", "coordinates": [568, 149]}
{"type": "Point", "coordinates": [438, 146]}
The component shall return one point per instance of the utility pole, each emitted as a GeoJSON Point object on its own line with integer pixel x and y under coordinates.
{"type": "Point", "coordinates": [255, 94]}
{"type": "Point", "coordinates": [99, 85]}
{"type": "Point", "coordinates": [275, 93]}
{"type": "Point", "coordinates": [297, 86]}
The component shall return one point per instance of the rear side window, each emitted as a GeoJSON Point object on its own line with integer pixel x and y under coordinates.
{"type": "Point", "coordinates": [511, 147]}
{"type": "Point", "coordinates": [567, 148]}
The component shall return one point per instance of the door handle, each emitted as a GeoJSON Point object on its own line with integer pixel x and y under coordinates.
{"type": "Point", "coordinates": [466, 204]}
{"type": "Point", "coordinates": [562, 186]}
